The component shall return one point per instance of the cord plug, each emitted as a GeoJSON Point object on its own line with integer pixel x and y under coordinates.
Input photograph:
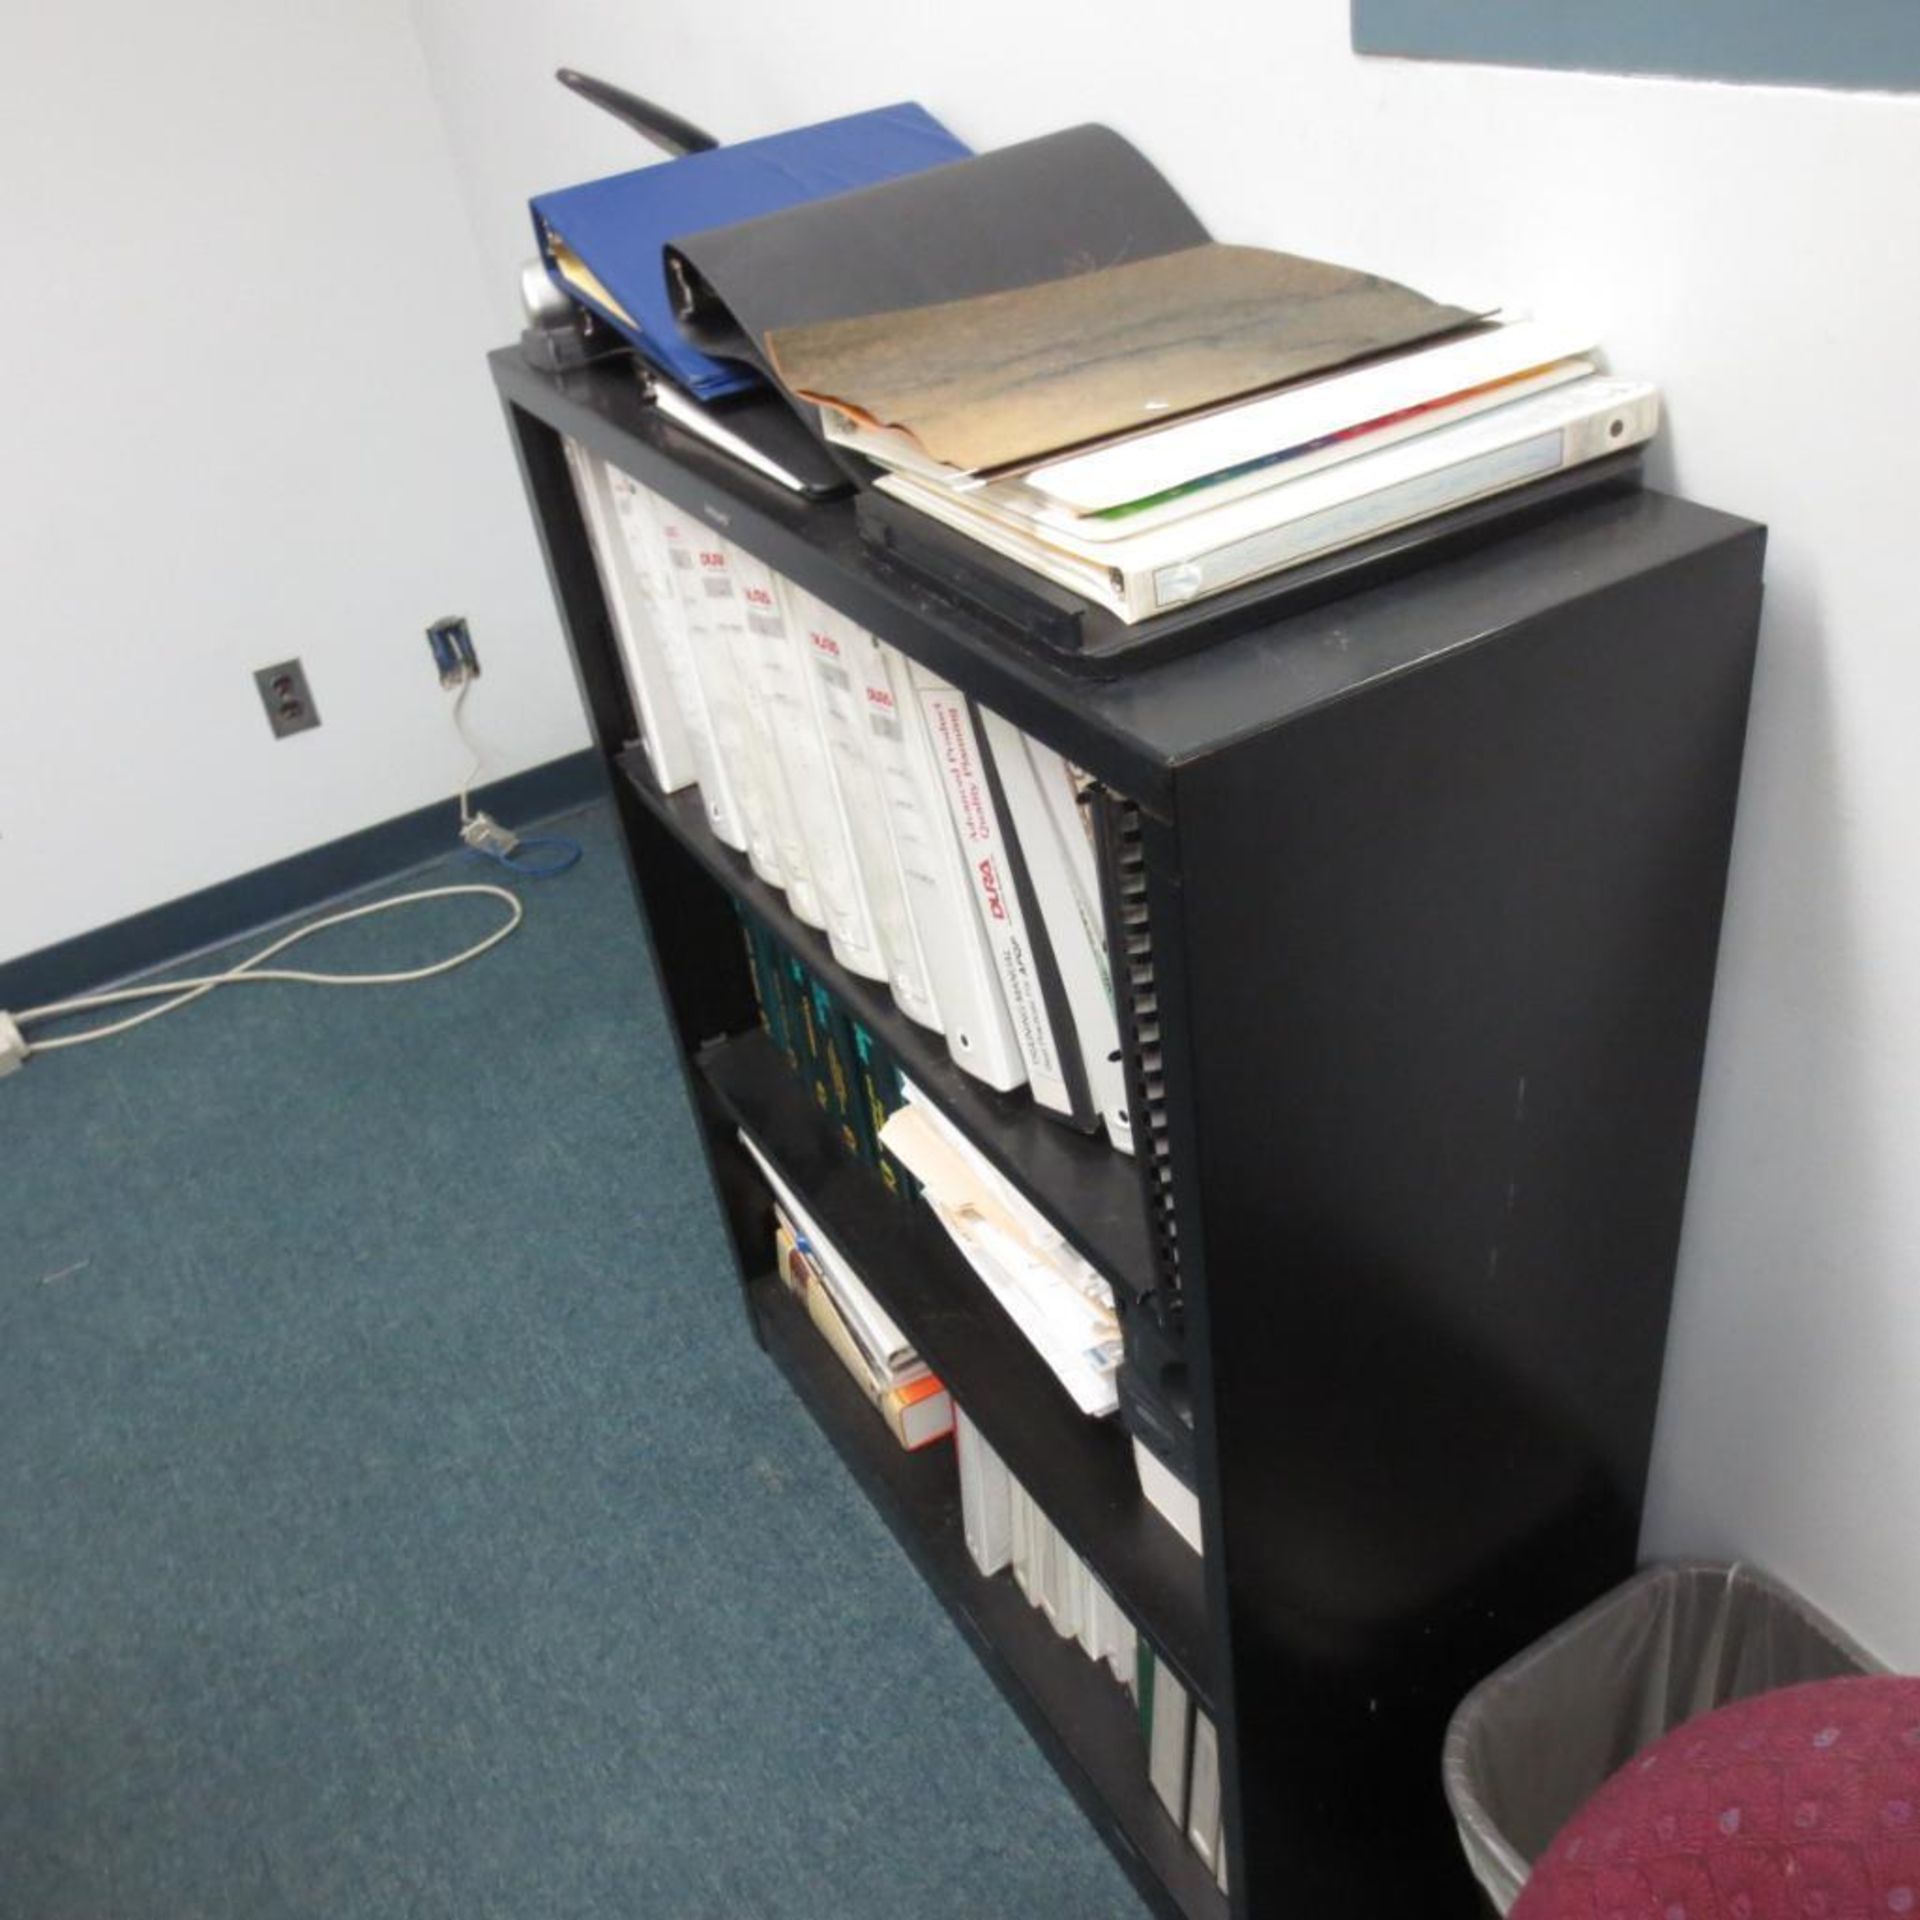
{"type": "Point", "coordinates": [453, 651]}
{"type": "Point", "coordinates": [484, 834]}
{"type": "Point", "coordinates": [13, 1046]}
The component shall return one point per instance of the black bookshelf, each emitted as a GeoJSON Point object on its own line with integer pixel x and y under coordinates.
{"type": "Point", "coordinates": [1429, 872]}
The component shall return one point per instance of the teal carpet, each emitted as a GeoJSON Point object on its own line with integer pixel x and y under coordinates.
{"type": "Point", "coordinates": [396, 1518]}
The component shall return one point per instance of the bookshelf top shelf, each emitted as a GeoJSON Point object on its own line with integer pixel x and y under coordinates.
{"type": "Point", "coordinates": [1134, 729]}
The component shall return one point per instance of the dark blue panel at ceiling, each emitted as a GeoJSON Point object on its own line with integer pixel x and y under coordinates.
{"type": "Point", "coordinates": [1839, 43]}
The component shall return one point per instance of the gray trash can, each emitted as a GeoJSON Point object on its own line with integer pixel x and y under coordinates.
{"type": "Point", "coordinates": [1533, 1741]}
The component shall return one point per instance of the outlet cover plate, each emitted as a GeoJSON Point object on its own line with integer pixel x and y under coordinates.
{"type": "Point", "coordinates": [287, 698]}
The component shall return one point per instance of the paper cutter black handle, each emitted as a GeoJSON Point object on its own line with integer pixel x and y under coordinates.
{"type": "Point", "coordinates": [666, 130]}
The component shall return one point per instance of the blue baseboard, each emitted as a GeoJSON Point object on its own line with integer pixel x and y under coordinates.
{"type": "Point", "coordinates": [236, 907]}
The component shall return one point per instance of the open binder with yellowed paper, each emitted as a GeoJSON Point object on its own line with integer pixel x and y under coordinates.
{"type": "Point", "coordinates": [1002, 378]}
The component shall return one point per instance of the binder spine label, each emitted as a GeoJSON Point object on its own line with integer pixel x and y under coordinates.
{"type": "Point", "coordinates": [961, 976]}
{"type": "Point", "coordinates": [758, 637]}
{"type": "Point", "coordinates": [850, 914]}
{"type": "Point", "coordinates": [686, 638]}
{"type": "Point", "coordinates": [857, 783]}
{"type": "Point", "coordinates": [950, 730]}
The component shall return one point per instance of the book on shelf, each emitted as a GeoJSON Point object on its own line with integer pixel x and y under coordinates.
{"type": "Point", "coordinates": [1178, 503]}
{"type": "Point", "coordinates": [1190, 416]}
{"type": "Point", "coordinates": [765, 965]}
{"type": "Point", "coordinates": [905, 1393]}
{"type": "Point", "coordinates": [866, 1339]}
{"type": "Point", "coordinates": [883, 1091]}
{"type": "Point", "coordinates": [1203, 1791]}
{"type": "Point", "coordinates": [847, 1104]}
{"type": "Point", "coordinates": [796, 985]}
{"type": "Point", "coordinates": [1163, 473]}
{"type": "Point", "coordinates": [1167, 1717]}
{"type": "Point", "coordinates": [716, 625]}
{"type": "Point", "coordinates": [878, 1334]}
{"type": "Point", "coordinates": [986, 1518]}
{"type": "Point", "coordinates": [853, 1080]}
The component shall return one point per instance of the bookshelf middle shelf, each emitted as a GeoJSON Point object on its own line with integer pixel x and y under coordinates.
{"type": "Point", "coordinates": [1079, 1471]}
{"type": "Point", "coordinates": [1091, 1192]}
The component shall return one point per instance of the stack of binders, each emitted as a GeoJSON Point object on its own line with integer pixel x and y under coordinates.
{"type": "Point", "coordinates": [1164, 515]}
{"type": "Point", "coordinates": [937, 848]}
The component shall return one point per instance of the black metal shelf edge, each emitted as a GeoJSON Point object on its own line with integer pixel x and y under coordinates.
{"type": "Point", "coordinates": [1083, 1720]}
{"type": "Point", "coordinates": [1080, 1471]}
{"type": "Point", "coordinates": [1091, 1192]}
{"type": "Point", "coordinates": [1268, 662]}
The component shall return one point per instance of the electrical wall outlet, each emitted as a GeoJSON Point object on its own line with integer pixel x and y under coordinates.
{"type": "Point", "coordinates": [287, 698]}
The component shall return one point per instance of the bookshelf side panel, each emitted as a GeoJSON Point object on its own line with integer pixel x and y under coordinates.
{"type": "Point", "coordinates": [1450, 946]}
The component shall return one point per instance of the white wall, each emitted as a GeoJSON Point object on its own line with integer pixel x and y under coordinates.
{"type": "Point", "coordinates": [245, 416]}
{"type": "Point", "coordinates": [1753, 250]}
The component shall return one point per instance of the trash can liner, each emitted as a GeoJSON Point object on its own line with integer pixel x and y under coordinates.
{"type": "Point", "coordinates": [1532, 1742]}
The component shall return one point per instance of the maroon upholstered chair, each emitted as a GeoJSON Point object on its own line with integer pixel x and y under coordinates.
{"type": "Point", "coordinates": [1803, 1804]}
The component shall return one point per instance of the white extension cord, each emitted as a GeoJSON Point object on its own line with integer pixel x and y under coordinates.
{"type": "Point", "coordinates": [481, 831]}
{"type": "Point", "coordinates": [174, 994]}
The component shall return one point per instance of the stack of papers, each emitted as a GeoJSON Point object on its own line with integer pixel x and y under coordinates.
{"type": "Point", "coordinates": [1061, 1303]}
{"type": "Point", "coordinates": [1150, 519]}
{"type": "Point", "coordinates": [880, 1340]}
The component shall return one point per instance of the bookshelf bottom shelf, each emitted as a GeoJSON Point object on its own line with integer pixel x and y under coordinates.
{"type": "Point", "coordinates": [1082, 1720]}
